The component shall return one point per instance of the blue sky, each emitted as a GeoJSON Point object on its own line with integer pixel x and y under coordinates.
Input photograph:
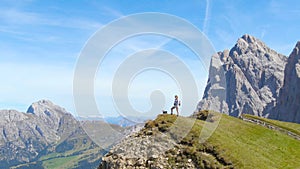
{"type": "Point", "coordinates": [41, 41]}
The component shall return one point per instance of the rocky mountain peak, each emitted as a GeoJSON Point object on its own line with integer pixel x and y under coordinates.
{"type": "Point", "coordinates": [245, 80]}
{"type": "Point", "coordinates": [245, 43]}
{"type": "Point", "coordinates": [248, 44]}
{"type": "Point", "coordinates": [254, 79]}
{"type": "Point", "coordinates": [52, 116]}
{"type": "Point", "coordinates": [248, 38]}
{"type": "Point", "coordinates": [46, 107]}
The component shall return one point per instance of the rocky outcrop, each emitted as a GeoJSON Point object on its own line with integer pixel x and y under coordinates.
{"type": "Point", "coordinates": [144, 149]}
{"type": "Point", "coordinates": [161, 144]}
{"type": "Point", "coordinates": [288, 107]}
{"type": "Point", "coordinates": [246, 79]}
{"type": "Point", "coordinates": [137, 152]}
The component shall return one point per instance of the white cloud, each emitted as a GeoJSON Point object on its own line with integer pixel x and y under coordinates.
{"type": "Point", "coordinates": [71, 22]}
{"type": "Point", "coordinates": [112, 12]}
{"type": "Point", "coordinates": [276, 8]}
{"type": "Point", "coordinates": [15, 17]}
{"type": "Point", "coordinates": [207, 17]}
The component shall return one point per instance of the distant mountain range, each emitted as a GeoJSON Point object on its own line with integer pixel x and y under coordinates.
{"type": "Point", "coordinates": [253, 79]}
{"type": "Point", "coordinates": [127, 121]}
{"type": "Point", "coordinates": [47, 136]}
{"type": "Point", "coordinates": [119, 120]}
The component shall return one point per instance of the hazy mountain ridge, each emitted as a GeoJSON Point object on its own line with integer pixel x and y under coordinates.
{"type": "Point", "coordinates": [127, 121]}
{"type": "Point", "coordinates": [253, 79]}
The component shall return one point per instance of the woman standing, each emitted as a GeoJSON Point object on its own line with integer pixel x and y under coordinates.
{"type": "Point", "coordinates": [176, 104]}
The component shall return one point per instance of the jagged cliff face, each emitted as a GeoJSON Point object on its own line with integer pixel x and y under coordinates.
{"type": "Point", "coordinates": [246, 79]}
{"type": "Point", "coordinates": [288, 107]}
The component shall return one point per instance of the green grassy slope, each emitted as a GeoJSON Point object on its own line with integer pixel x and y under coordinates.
{"type": "Point", "coordinates": [84, 156]}
{"type": "Point", "coordinates": [234, 144]}
{"type": "Point", "coordinates": [75, 151]}
{"type": "Point", "coordinates": [82, 160]}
